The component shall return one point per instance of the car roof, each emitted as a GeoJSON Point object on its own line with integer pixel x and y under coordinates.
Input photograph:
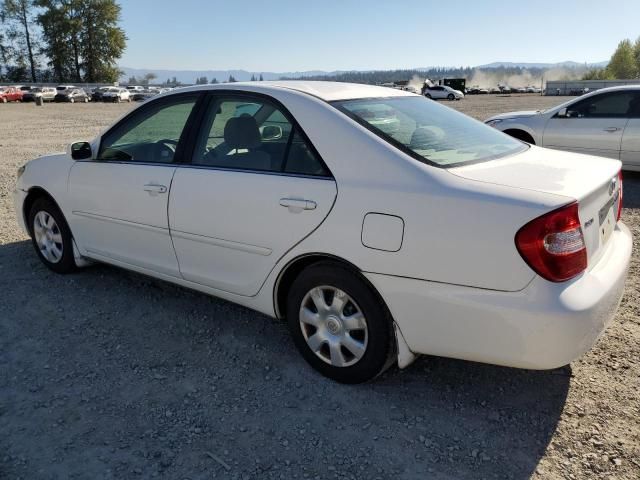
{"type": "Point", "coordinates": [327, 91]}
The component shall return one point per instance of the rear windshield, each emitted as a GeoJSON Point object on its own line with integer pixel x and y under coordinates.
{"type": "Point", "coordinates": [430, 132]}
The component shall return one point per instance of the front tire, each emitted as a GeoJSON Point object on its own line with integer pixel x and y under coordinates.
{"type": "Point", "coordinates": [51, 236]}
{"type": "Point", "coordinates": [339, 325]}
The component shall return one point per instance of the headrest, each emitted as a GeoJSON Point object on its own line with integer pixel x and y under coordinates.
{"type": "Point", "coordinates": [242, 132]}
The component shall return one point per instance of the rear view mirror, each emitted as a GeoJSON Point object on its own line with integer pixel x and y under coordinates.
{"type": "Point", "coordinates": [80, 150]}
{"type": "Point", "coordinates": [271, 132]}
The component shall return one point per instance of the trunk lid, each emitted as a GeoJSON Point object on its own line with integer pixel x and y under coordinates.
{"type": "Point", "coordinates": [592, 181]}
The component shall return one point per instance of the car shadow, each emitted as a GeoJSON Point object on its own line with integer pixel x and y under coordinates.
{"type": "Point", "coordinates": [123, 360]}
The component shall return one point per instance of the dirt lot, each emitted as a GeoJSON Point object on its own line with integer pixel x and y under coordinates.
{"type": "Point", "coordinates": [108, 374]}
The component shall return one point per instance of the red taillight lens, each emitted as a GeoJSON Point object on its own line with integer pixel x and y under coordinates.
{"type": "Point", "coordinates": [553, 244]}
{"type": "Point", "coordinates": [619, 195]}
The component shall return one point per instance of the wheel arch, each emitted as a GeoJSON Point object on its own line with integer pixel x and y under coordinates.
{"type": "Point", "coordinates": [35, 193]}
{"type": "Point", "coordinates": [520, 134]}
{"type": "Point", "coordinates": [296, 265]}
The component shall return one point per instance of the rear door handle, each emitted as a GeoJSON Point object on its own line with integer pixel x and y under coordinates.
{"type": "Point", "coordinates": [611, 129]}
{"type": "Point", "coordinates": [155, 189]}
{"type": "Point", "coordinates": [296, 205]}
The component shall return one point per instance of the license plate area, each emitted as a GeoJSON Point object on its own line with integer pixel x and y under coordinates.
{"type": "Point", "coordinates": [607, 218]}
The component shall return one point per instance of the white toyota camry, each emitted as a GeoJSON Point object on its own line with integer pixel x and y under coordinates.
{"type": "Point", "coordinates": [380, 224]}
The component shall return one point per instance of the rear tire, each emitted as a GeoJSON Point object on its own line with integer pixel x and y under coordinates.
{"type": "Point", "coordinates": [51, 236]}
{"type": "Point", "coordinates": [451, 96]}
{"type": "Point", "coordinates": [428, 95]}
{"type": "Point", "coordinates": [339, 325]}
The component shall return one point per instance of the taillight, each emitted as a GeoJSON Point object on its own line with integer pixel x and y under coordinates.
{"type": "Point", "coordinates": [619, 196]}
{"type": "Point", "coordinates": [553, 244]}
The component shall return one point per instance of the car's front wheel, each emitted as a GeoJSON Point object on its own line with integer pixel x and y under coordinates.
{"type": "Point", "coordinates": [339, 325]}
{"type": "Point", "coordinates": [51, 237]}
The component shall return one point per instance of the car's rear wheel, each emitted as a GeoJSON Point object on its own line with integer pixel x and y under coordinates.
{"type": "Point", "coordinates": [86, 100]}
{"type": "Point", "coordinates": [451, 96]}
{"type": "Point", "coordinates": [338, 324]}
{"type": "Point", "coordinates": [51, 237]}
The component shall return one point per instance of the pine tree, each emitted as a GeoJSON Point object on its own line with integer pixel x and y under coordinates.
{"type": "Point", "coordinates": [253, 78]}
{"type": "Point", "coordinates": [622, 64]}
{"type": "Point", "coordinates": [21, 13]}
{"type": "Point", "coordinates": [231, 79]}
{"type": "Point", "coordinates": [261, 79]}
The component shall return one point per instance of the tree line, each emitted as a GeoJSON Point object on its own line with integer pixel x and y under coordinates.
{"type": "Point", "coordinates": [624, 63]}
{"type": "Point", "coordinates": [60, 40]}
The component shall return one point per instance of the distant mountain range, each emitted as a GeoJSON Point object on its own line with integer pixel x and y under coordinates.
{"type": "Point", "coordinates": [190, 76]}
{"type": "Point", "coordinates": [567, 64]}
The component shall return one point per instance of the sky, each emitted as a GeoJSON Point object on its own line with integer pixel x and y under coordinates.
{"type": "Point", "coordinates": [288, 35]}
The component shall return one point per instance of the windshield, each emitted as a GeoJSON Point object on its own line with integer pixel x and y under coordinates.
{"type": "Point", "coordinates": [430, 132]}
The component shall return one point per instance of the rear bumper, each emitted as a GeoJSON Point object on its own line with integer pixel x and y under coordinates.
{"type": "Point", "coordinates": [545, 325]}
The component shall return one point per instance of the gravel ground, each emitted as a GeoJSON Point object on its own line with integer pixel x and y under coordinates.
{"type": "Point", "coordinates": [108, 374]}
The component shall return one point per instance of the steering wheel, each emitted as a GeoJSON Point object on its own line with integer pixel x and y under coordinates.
{"type": "Point", "coordinates": [166, 148]}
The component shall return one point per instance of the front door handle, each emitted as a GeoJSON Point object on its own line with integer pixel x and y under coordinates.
{"type": "Point", "coordinates": [154, 189]}
{"type": "Point", "coordinates": [611, 129]}
{"type": "Point", "coordinates": [296, 205]}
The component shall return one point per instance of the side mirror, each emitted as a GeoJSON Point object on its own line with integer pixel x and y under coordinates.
{"type": "Point", "coordinates": [80, 150]}
{"type": "Point", "coordinates": [562, 113]}
{"type": "Point", "coordinates": [271, 132]}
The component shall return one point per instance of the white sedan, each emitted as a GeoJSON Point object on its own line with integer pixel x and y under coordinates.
{"type": "Point", "coordinates": [440, 92]}
{"type": "Point", "coordinates": [116, 94]}
{"type": "Point", "coordinates": [377, 241]}
{"type": "Point", "coordinates": [605, 122]}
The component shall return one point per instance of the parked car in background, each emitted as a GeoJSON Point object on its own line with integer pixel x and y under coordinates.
{"type": "Point", "coordinates": [10, 94]}
{"type": "Point", "coordinates": [604, 123]}
{"type": "Point", "coordinates": [72, 95]}
{"type": "Point", "coordinates": [62, 88]}
{"type": "Point", "coordinates": [532, 89]}
{"type": "Point", "coordinates": [116, 94]}
{"type": "Point", "coordinates": [439, 92]}
{"type": "Point", "coordinates": [443, 237]}
{"type": "Point", "coordinates": [47, 94]}
{"type": "Point", "coordinates": [135, 88]}
{"type": "Point", "coordinates": [476, 90]}
{"type": "Point", "coordinates": [96, 94]}
{"type": "Point", "coordinates": [143, 95]}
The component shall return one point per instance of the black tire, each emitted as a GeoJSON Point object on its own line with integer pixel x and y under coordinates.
{"type": "Point", "coordinates": [428, 95]}
{"type": "Point", "coordinates": [380, 345]}
{"type": "Point", "coordinates": [66, 264]}
{"type": "Point", "coordinates": [4, 99]}
{"type": "Point", "coordinates": [451, 96]}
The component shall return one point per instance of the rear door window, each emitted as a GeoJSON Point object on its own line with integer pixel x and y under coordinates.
{"type": "Point", "coordinates": [243, 133]}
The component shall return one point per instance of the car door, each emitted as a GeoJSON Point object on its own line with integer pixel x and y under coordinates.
{"type": "Point", "coordinates": [119, 199]}
{"type": "Point", "coordinates": [592, 125]}
{"type": "Point", "coordinates": [254, 189]}
{"type": "Point", "coordinates": [630, 149]}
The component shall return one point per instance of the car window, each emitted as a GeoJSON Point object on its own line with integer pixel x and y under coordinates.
{"type": "Point", "coordinates": [634, 105]}
{"type": "Point", "coordinates": [247, 134]}
{"type": "Point", "coordinates": [430, 132]}
{"type": "Point", "coordinates": [149, 135]}
{"type": "Point", "coordinates": [606, 105]}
